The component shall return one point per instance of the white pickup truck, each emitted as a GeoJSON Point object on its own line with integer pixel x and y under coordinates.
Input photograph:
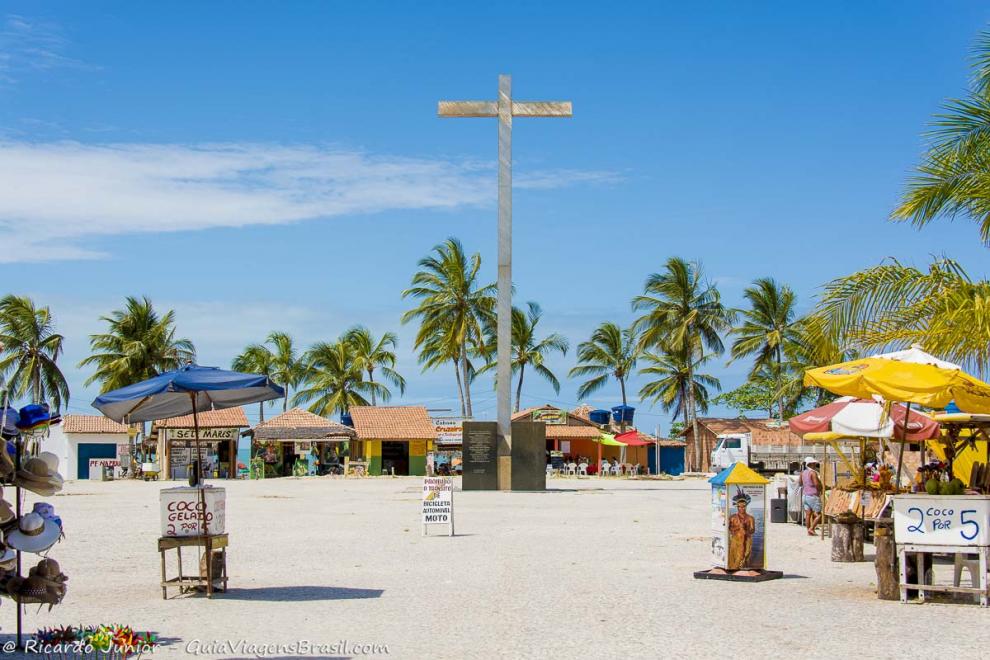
{"type": "Point", "coordinates": [738, 447]}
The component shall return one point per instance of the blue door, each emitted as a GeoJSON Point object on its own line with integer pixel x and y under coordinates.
{"type": "Point", "coordinates": [93, 450]}
{"type": "Point", "coordinates": [672, 460]}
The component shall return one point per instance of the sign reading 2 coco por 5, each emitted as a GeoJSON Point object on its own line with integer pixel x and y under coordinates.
{"type": "Point", "coordinates": [942, 519]}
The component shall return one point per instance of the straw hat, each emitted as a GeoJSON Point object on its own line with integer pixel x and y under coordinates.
{"type": "Point", "coordinates": [6, 512]}
{"type": "Point", "coordinates": [47, 511]}
{"type": "Point", "coordinates": [6, 464]}
{"type": "Point", "coordinates": [49, 571]}
{"type": "Point", "coordinates": [39, 474]}
{"type": "Point", "coordinates": [34, 534]}
{"type": "Point", "coordinates": [8, 557]}
{"type": "Point", "coordinates": [33, 589]}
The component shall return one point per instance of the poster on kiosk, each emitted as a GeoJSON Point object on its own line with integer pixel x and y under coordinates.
{"type": "Point", "coordinates": [738, 520]}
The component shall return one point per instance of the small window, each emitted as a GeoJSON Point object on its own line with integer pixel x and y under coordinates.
{"type": "Point", "coordinates": [732, 443]}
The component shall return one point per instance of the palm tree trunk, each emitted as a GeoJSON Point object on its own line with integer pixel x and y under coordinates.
{"type": "Point", "coordinates": [622, 388]}
{"type": "Point", "coordinates": [460, 390]}
{"type": "Point", "coordinates": [780, 397]}
{"type": "Point", "coordinates": [522, 368]}
{"type": "Point", "coordinates": [371, 379]}
{"type": "Point", "coordinates": [467, 384]}
{"type": "Point", "coordinates": [694, 419]}
{"type": "Point", "coordinates": [285, 399]}
{"type": "Point", "coordinates": [261, 412]}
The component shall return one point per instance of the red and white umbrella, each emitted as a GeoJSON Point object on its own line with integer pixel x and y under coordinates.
{"type": "Point", "coordinates": [861, 418]}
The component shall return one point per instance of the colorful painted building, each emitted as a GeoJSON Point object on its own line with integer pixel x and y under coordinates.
{"type": "Point", "coordinates": [219, 431]}
{"type": "Point", "coordinates": [392, 438]}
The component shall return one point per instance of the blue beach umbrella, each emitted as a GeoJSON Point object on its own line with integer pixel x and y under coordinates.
{"type": "Point", "coordinates": [190, 389]}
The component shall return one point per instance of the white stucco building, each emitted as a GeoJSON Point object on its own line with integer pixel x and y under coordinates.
{"type": "Point", "coordinates": [80, 438]}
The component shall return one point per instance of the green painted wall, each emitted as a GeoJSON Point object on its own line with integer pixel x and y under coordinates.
{"type": "Point", "coordinates": [417, 466]}
{"type": "Point", "coordinates": [373, 454]}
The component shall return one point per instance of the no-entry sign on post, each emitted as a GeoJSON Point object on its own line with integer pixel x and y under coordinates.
{"type": "Point", "coordinates": [438, 503]}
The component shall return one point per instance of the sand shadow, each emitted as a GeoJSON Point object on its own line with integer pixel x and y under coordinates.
{"type": "Point", "coordinates": [793, 576]}
{"type": "Point", "coordinates": [300, 594]}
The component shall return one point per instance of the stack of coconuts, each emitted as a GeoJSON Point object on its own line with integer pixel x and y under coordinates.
{"type": "Point", "coordinates": [937, 482]}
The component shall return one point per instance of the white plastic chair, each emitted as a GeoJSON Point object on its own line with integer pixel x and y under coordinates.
{"type": "Point", "coordinates": [617, 470]}
{"type": "Point", "coordinates": [603, 469]}
{"type": "Point", "coordinates": [583, 469]}
{"type": "Point", "coordinates": [549, 470]}
{"type": "Point", "coordinates": [970, 563]}
{"type": "Point", "coordinates": [572, 469]}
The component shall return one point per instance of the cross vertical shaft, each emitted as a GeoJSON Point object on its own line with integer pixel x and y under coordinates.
{"type": "Point", "coordinates": [504, 282]}
{"type": "Point", "coordinates": [504, 109]}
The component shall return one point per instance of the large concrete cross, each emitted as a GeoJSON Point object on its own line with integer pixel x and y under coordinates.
{"type": "Point", "coordinates": [505, 109]}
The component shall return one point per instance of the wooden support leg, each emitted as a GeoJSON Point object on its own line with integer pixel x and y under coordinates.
{"type": "Point", "coordinates": [178, 553]}
{"type": "Point", "coordinates": [164, 588]}
{"type": "Point", "coordinates": [919, 558]}
{"type": "Point", "coordinates": [209, 568]}
{"type": "Point", "coordinates": [902, 561]}
{"type": "Point", "coordinates": [983, 577]}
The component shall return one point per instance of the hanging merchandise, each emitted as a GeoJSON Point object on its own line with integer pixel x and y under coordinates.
{"type": "Point", "coordinates": [34, 534]}
{"type": "Point", "coordinates": [8, 558]}
{"type": "Point", "coordinates": [39, 474]}
{"type": "Point", "coordinates": [46, 511]}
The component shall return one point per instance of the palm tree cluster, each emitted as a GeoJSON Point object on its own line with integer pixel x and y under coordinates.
{"type": "Point", "coordinates": [331, 376]}
{"type": "Point", "coordinates": [29, 352]}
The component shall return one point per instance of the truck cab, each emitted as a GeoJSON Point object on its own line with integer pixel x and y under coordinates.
{"type": "Point", "coordinates": [730, 448]}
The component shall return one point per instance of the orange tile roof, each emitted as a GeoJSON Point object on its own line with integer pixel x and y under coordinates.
{"type": "Point", "coordinates": [296, 418]}
{"type": "Point", "coordinates": [393, 423]}
{"type": "Point", "coordinates": [567, 431]}
{"type": "Point", "coordinates": [217, 419]}
{"type": "Point", "coordinates": [91, 424]}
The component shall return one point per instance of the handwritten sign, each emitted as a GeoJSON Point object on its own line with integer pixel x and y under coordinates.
{"type": "Point", "coordinates": [942, 519]}
{"type": "Point", "coordinates": [204, 434]}
{"type": "Point", "coordinates": [438, 502]}
{"type": "Point", "coordinates": [183, 511]}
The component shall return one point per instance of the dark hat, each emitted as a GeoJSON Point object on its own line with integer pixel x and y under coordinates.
{"type": "Point", "coordinates": [741, 498]}
{"type": "Point", "coordinates": [33, 415]}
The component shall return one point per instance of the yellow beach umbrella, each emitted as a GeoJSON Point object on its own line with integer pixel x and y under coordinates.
{"type": "Point", "coordinates": [924, 384]}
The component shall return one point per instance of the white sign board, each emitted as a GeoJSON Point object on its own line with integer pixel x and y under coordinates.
{"type": "Point", "coordinates": [942, 519]}
{"type": "Point", "coordinates": [449, 430]}
{"type": "Point", "coordinates": [204, 434]}
{"type": "Point", "coordinates": [438, 502]}
{"type": "Point", "coordinates": [182, 511]}
{"type": "Point", "coordinates": [96, 466]}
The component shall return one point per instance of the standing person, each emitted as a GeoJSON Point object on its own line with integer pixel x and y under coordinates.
{"type": "Point", "coordinates": [811, 489]}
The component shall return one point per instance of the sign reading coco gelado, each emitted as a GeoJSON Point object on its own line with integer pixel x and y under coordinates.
{"type": "Point", "coordinates": [942, 519]}
{"type": "Point", "coordinates": [438, 502]}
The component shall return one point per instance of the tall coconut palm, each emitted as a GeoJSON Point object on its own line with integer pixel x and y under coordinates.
{"type": "Point", "coordinates": [674, 376]}
{"type": "Point", "coordinates": [334, 380]}
{"type": "Point", "coordinates": [29, 352]}
{"type": "Point", "coordinates": [953, 179]}
{"type": "Point", "coordinates": [527, 348]}
{"type": "Point", "coordinates": [371, 353]}
{"type": "Point", "coordinates": [256, 359]}
{"type": "Point", "coordinates": [137, 345]}
{"type": "Point", "coordinates": [453, 306]}
{"type": "Point", "coordinates": [611, 352]}
{"type": "Point", "coordinates": [683, 311]}
{"type": "Point", "coordinates": [767, 329]}
{"type": "Point", "coordinates": [893, 306]}
{"type": "Point", "coordinates": [287, 368]}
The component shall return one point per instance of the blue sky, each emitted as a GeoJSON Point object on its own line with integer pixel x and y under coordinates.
{"type": "Point", "coordinates": [280, 165]}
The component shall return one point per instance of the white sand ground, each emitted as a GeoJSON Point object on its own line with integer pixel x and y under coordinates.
{"type": "Point", "coordinates": [589, 569]}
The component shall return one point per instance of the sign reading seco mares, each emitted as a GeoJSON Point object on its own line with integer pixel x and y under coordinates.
{"type": "Point", "coordinates": [438, 502]}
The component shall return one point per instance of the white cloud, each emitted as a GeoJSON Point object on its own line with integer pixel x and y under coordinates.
{"type": "Point", "coordinates": [61, 193]}
{"type": "Point", "coordinates": [27, 44]}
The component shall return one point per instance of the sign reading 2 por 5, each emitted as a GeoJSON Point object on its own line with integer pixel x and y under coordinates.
{"type": "Point", "coordinates": [942, 520]}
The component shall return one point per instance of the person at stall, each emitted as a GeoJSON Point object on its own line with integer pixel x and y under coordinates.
{"type": "Point", "coordinates": [811, 499]}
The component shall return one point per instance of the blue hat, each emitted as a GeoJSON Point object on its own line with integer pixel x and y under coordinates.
{"type": "Point", "coordinates": [35, 415]}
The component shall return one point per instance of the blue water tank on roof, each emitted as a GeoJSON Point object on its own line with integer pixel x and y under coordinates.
{"type": "Point", "coordinates": [622, 414]}
{"type": "Point", "coordinates": [599, 416]}
{"type": "Point", "coordinates": [345, 419]}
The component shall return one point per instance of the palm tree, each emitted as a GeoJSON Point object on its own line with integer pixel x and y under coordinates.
{"type": "Point", "coordinates": [138, 344]}
{"type": "Point", "coordinates": [683, 312]}
{"type": "Point", "coordinates": [370, 354]}
{"type": "Point", "coordinates": [29, 351]}
{"type": "Point", "coordinates": [334, 379]}
{"type": "Point", "coordinates": [893, 306]}
{"type": "Point", "coordinates": [453, 307]}
{"type": "Point", "coordinates": [527, 349]}
{"type": "Point", "coordinates": [256, 359]}
{"type": "Point", "coordinates": [674, 376]}
{"type": "Point", "coordinates": [953, 178]}
{"type": "Point", "coordinates": [767, 329]}
{"type": "Point", "coordinates": [611, 352]}
{"type": "Point", "coordinates": [287, 369]}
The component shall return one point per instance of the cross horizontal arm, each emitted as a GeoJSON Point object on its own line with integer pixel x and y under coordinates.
{"type": "Point", "coordinates": [541, 108]}
{"type": "Point", "coordinates": [467, 109]}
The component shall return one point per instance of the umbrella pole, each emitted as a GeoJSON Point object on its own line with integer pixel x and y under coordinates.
{"type": "Point", "coordinates": [900, 454]}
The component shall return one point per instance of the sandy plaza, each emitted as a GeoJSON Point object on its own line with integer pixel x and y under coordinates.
{"type": "Point", "coordinates": [584, 570]}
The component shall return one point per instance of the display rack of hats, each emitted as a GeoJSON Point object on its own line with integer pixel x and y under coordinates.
{"type": "Point", "coordinates": [27, 536]}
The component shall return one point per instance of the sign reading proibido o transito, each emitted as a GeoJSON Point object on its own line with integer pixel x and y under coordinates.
{"type": "Point", "coordinates": [438, 503]}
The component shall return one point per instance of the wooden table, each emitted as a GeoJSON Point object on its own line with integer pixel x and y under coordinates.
{"type": "Point", "coordinates": [187, 583]}
{"type": "Point", "coordinates": [903, 549]}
